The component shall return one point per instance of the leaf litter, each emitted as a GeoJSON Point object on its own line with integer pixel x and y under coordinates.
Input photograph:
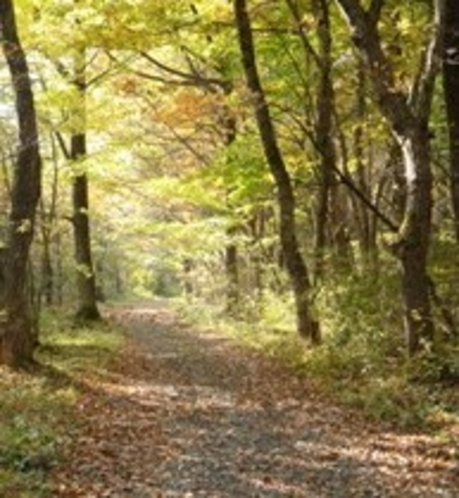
{"type": "Point", "coordinates": [190, 414]}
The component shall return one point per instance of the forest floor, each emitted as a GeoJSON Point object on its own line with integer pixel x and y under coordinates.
{"type": "Point", "coordinates": [185, 413]}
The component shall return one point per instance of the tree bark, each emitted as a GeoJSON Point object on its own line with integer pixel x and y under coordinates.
{"type": "Point", "coordinates": [47, 215]}
{"type": "Point", "coordinates": [408, 116]}
{"type": "Point", "coordinates": [412, 245]}
{"type": "Point", "coordinates": [17, 334]}
{"type": "Point", "coordinates": [296, 267]}
{"type": "Point", "coordinates": [229, 129]}
{"type": "Point", "coordinates": [366, 221]}
{"type": "Point", "coordinates": [86, 280]}
{"type": "Point", "coordinates": [451, 92]}
{"type": "Point", "coordinates": [47, 274]}
{"type": "Point", "coordinates": [324, 137]}
{"type": "Point", "coordinates": [232, 278]}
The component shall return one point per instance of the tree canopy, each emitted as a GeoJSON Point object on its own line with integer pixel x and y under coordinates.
{"type": "Point", "coordinates": [273, 161]}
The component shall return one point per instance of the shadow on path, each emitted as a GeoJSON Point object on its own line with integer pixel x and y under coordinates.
{"type": "Point", "coordinates": [190, 414]}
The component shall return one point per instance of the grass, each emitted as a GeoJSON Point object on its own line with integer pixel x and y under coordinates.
{"type": "Point", "coordinates": [38, 410]}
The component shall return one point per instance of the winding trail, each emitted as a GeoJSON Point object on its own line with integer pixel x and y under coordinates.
{"type": "Point", "coordinates": [189, 414]}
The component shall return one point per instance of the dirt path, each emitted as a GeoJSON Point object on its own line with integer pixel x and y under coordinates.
{"type": "Point", "coordinates": [191, 415]}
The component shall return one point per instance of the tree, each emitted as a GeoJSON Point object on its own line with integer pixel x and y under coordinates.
{"type": "Point", "coordinates": [47, 227]}
{"type": "Point", "coordinates": [86, 280]}
{"type": "Point", "coordinates": [296, 267]}
{"type": "Point", "coordinates": [451, 90]}
{"type": "Point", "coordinates": [17, 341]}
{"type": "Point", "coordinates": [330, 222]}
{"type": "Point", "coordinates": [407, 113]}
{"type": "Point", "coordinates": [68, 56]}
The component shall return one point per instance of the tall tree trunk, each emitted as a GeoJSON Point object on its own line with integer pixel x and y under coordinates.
{"type": "Point", "coordinates": [408, 116]}
{"type": "Point", "coordinates": [47, 274]}
{"type": "Point", "coordinates": [324, 136]}
{"type": "Point", "coordinates": [47, 222]}
{"type": "Point", "coordinates": [188, 286]}
{"type": "Point", "coordinates": [451, 90]}
{"type": "Point", "coordinates": [331, 224]}
{"type": "Point", "coordinates": [335, 205]}
{"type": "Point", "coordinates": [413, 239]}
{"type": "Point", "coordinates": [367, 241]}
{"type": "Point", "coordinates": [232, 276]}
{"type": "Point", "coordinates": [86, 280]}
{"type": "Point", "coordinates": [59, 273]}
{"type": "Point", "coordinates": [256, 227]}
{"type": "Point", "coordinates": [229, 128]}
{"type": "Point", "coordinates": [296, 267]}
{"type": "Point", "coordinates": [17, 334]}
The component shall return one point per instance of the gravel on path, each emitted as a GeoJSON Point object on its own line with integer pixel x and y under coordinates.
{"type": "Point", "coordinates": [190, 414]}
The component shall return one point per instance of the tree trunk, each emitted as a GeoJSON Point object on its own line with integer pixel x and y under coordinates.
{"type": "Point", "coordinates": [229, 128]}
{"type": "Point", "coordinates": [17, 334]}
{"type": "Point", "coordinates": [256, 227]}
{"type": "Point", "coordinates": [296, 267]}
{"type": "Point", "coordinates": [324, 137]}
{"type": "Point", "coordinates": [86, 280]}
{"type": "Point", "coordinates": [451, 91]}
{"type": "Point", "coordinates": [48, 222]}
{"type": "Point", "coordinates": [59, 274]}
{"type": "Point", "coordinates": [232, 278]}
{"type": "Point", "coordinates": [408, 116]}
{"type": "Point", "coordinates": [187, 266]}
{"type": "Point", "coordinates": [413, 240]}
{"type": "Point", "coordinates": [365, 221]}
{"type": "Point", "coordinates": [47, 274]}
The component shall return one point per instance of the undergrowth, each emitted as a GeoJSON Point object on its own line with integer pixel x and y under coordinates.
{"type": "Point", "coordinates": [38, 409]}
{"type": "Point", "coordinates": [362, 361]}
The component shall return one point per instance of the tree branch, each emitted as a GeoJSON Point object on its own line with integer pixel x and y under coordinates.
{"type": "Point", "coordinates": [422, 93]}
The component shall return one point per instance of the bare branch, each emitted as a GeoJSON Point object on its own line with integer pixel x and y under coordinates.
{"type": "Point", "coordinates": [422, 93]}
{"type": "Point", "coordinates": [293, 6]}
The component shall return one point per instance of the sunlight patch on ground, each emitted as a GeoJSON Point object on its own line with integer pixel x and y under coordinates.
{"type": "Point", "coordinates": [156, 394]}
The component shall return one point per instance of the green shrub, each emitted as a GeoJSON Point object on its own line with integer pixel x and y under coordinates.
{"type": "Point", "coordinates": [362, 361]}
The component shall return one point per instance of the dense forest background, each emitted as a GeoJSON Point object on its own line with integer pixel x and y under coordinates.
{"type": "Point", "coordinates": [290, 168]}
